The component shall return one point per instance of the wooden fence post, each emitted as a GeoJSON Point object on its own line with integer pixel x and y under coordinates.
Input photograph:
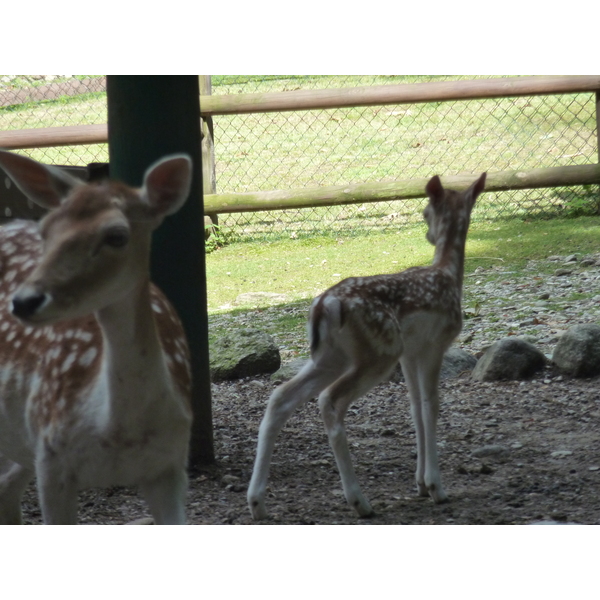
{"type": "Point", "coordinates": [598, 123]}
{"type": "Point", "coordinates": [209, 180]}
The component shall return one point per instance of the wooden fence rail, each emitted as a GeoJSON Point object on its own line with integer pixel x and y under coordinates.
{"type": "Point", "coordinates": [396, 190]}
{"type": "Point", "coordinates": [408, 93]}
{"type": "Point", "coordinates": [324, 99]}
{"type": "Point", "coordinates": [49, 137]}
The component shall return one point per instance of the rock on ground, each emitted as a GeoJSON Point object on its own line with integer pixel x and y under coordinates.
{"type": "Point", "coordinates": [244, 353]}
{"type": "Point", "coordinates": [577, 353]}
{"type": "Point", "coordinates": [509, 358]}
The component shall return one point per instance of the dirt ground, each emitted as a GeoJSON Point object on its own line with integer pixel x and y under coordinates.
{"type": "Point", "coordinates": [511, 453]}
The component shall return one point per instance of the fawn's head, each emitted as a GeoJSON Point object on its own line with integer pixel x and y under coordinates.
{"type": "Point", "coordinates": [96, 237]}
{"type": "Point", "coordinates": [448, 213]}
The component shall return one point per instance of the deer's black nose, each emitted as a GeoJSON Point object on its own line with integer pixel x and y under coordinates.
{"type": "Point", "coordinates": [24, 307]}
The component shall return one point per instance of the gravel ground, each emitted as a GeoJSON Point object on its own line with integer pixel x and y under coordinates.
{"type": "Point", "coordinates": [510, 452]}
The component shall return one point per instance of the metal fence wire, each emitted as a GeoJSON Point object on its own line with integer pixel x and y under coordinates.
{"type": "Point", "coordinates": [259, 152]}
{"type": "Point", "coordinates": [35, 101]}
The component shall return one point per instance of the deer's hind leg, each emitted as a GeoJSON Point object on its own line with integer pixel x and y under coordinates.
{"type": "Point", "coordinates": [334, 403]}
{"type": "Point", "coordinates": [283, 401]}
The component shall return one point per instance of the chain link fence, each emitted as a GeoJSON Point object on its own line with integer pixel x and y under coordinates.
{"type": "Point", "coordinates": [381, 143]}
{"type": "Point", "coordinates": [258, 152]}
{"type": "Point", "coordinates": [36, 101]}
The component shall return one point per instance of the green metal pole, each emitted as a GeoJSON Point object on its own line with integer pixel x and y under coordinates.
{"type": "Point", "coordinates": [148, 118]}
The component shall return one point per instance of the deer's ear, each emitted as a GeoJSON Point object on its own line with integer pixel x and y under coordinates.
{"type": "Point", "coordinates": [435, 190]}
{"type": "Point", "coordinates": [476, 188]}
{"type": "Point", "coordinates": [43, 184]}
{"type": "Point", "coordinates": [167, 185]}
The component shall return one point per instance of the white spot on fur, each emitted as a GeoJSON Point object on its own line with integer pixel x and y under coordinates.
{"type": "Point", "coordinates": [84, 336]}
{"type": "Point", "coordinates": [8, 248]}
{"type": "Point", "coordinates": [86, 359]}
{"type": "Point", "coordinates": [68, 362]}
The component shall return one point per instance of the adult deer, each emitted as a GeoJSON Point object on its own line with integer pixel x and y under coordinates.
{"type": "Point", "coordinates": [360, 328]}
{"type": "Point", "coordinates": [94, 366]}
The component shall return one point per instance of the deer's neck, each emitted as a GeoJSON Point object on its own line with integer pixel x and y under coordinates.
{"type": "Point", "coordinates": [450, 256]}
{"type": "Point", "coordinates": [134, 371]}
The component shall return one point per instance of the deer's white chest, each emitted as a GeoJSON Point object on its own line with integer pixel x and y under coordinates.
{"type": "Point", "coordinates": [124, 434]}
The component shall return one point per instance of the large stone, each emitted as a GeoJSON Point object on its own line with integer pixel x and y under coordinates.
{"type": "Point", "coordinates": [509, 358]}
{"type": "Point", "coordinates": [245, 353]}
{"type": "Point", "coordinates": [577, 352]}
{"type": "Point", "coordinates": [457, 361]}
{"type": "Point", "coordinates": [289, 370]}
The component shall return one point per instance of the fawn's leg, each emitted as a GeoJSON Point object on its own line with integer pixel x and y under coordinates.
{"type": "Point", "coordinates": [422, 378]}
{"type": "Point", "coordinates": [165, 496]}
{"type": "Point", "coordinates": [14, 478]}
{"type": "Point", "coordinates": [334, 403]}
{"type": "Point", "coordinates": [409, 370]}
{"type": "Point", "coordinates": [283, 401]}
{"type": "Point", "coordinates": [57, 490]}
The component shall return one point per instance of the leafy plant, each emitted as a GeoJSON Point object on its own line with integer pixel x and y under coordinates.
{"type": "Point", "coordinates": [582, 201]}
{"type": "Point", "coordinates": [218, 237]}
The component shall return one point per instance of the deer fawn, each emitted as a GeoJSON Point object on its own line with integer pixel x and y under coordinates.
{"type": "Point", "coordinates": [94, 370]}
{"type": "Point", "coordinates": [359, 329]}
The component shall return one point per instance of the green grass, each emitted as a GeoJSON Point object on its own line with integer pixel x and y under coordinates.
{"type": "Point", "coordinates": [303, 268]}
{"type": "Point", "coordinates": [296, 268]}
{"type": "Point", "coordinates": [517, 241]}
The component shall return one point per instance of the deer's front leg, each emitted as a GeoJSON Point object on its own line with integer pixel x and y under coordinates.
{"type": "Point", "coordinates": [409, 370]}
{"type": "Point", "coordinates": [165, 496]}
{"type": "Point", "coordinates": [57, 489]}
{"type": "Point", "coordinates": [422, 379]}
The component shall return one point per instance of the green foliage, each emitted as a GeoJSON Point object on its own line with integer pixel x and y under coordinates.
{"type": "Point", "coordinates": [220, 237]}
{"type": "Point", "coordinates": [584, 203]}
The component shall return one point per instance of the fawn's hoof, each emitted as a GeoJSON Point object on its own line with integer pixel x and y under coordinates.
{"type": "Point", "coordinates": [435, 491]}
{"type": "Point", "coordinates": [257, 507]}
{"type": "Point", "coordinates": [362, 507]}
{"type": "Point", "coordinates": [438, 494]}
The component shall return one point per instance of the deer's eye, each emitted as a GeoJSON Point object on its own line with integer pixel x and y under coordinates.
{"type": "Point", "coordinates": [116, 238]}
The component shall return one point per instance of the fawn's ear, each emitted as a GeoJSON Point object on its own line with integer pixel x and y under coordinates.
{"type": "Point", "coordinates": [476, 188]}
{"type": "Point", "coordinates": [167, 185]}
{"type": "Point", "coordinates": [43, 184]}
{"type": "Point", "coordinates": [435, 190]}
